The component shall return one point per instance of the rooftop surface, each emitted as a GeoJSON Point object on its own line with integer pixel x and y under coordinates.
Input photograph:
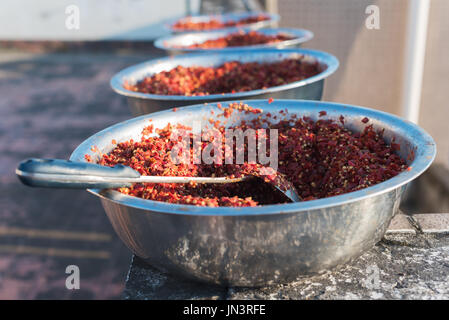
{"type": "Point", "coordinates": [49, 103]}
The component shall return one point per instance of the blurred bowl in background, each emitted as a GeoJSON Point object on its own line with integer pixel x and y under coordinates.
{"type": "Point", "coordinates": [271, 20]}
{"type": "Point", "coordinates": [144, 103]}
{"type": "Point", "coordinates": [178, 44]}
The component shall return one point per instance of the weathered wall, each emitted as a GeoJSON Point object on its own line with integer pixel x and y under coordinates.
{"type": "Point", "coordinates": [434, 116]}
{"type": "Point", "coordinates": [370, 60]}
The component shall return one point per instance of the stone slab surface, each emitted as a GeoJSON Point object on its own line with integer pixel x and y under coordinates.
{"type": "Point", "coordinates": [406, 264]}
{"type": "Point", "coordinates": [401, 266]}
{"type": "Point", "coordinates": [146, 283]}
{"type": "Point", "coordinates": [431, 222]}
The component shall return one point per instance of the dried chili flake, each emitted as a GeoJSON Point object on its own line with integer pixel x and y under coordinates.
{"type": "Point", "coordinates": [320, 158]}
{"type": "Point", "coordinates": [148, 130]}
{"type": "Point", "coordinates": [230, 77]}
{"type": "Point", "coordinates": [239, 39]}
{"type": "Point", "coordinates": [95, 149]}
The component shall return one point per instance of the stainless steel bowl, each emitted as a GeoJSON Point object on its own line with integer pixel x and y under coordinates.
{"type": "Point", "coordinates": [178, 44]}
{"type": "Point", "coordinates": [273, 19]}
{"type": "Point", "coordinates": [144, 103]}
{"type": "Point", "coordinates": [256, 246]}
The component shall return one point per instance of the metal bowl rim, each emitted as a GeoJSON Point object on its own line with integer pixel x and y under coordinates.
{"type": "Point", "coordinates": [301, 36]}
{"type": "Point", "coordinates": [331, 61]}
{"type": "Point", "coordinates": [273, 18]}
{"type": "Point", "coordinates": [418, 166]}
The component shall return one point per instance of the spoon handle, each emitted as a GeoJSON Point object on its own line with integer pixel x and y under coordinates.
{"type": "Point", "coordinates": [56, 173]}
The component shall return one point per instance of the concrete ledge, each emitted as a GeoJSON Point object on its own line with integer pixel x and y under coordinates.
{"type": "Point", "coordinates": [147, 283]}
{"type": "Point", "coordinates": [411, 262]}
{"type": "Point", "coordinates": [400, 267]}
{"type": "Point", "coordinates": [433, 222]}
{"type": "Point", "coordinates": [400, 223]}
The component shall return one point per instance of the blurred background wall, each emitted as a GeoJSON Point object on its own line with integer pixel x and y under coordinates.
{"type": "Point", "coordinates": [371, 70]}
{"type": "Point", "coordinates": [434, 114]}
{"type": "Point", "coordinates": [370, 60]}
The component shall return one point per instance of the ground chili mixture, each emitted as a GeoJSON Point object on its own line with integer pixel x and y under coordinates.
{"type": "Point", "coordinates": [229, 77]}
{"type": "Point", "coordinates": [240, 39]}
{"type": "Point", "coordinates": [188, 24]}
{"type": "Point", "coordinates": [321, 158]}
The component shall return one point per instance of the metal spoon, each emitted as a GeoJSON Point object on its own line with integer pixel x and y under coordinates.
{"type": "Point", "coordinates": [56, 173]}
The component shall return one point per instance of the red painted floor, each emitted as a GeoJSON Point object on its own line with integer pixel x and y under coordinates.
{"type": "Point", "coordinates": [49, 103]}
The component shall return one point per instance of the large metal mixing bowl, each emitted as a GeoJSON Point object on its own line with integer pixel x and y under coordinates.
{"type": "Point", "coordinates": [144, 103]}
{"type": "Point", "coordinates": [256, 246]}
{"type": "Point", "coordinates": [235, 16]}
{"type": "Point", "coordinates": [178, 44]}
